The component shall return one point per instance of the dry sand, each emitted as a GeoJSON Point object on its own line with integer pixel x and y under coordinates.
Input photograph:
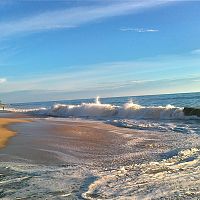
{"type": "Point", "coordinates": [5, 134]}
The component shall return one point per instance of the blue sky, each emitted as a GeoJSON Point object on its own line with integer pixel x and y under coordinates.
{"type": "Point", "coordinates": [51, 50]}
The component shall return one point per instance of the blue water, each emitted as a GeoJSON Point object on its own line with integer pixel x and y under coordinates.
{"type": "Point", "coordinates": [179, 100]}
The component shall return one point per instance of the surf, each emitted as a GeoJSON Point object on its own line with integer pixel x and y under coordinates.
{"type": "Point", "coordinates": [129, 110]}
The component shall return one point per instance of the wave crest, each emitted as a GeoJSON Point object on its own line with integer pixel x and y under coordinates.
{"type": "Point", "coordinates": [136, 111]}
{"type": "Point", "coordinates": [129, 110]}
{"type": "Point", "coordinates": [83, 110]}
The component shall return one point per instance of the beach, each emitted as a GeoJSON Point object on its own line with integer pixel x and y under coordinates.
{"type": "Point", "coordinates": [99, 100]}
{"type": "Point", "coordinates": [5, 133]}
{"type": "Point", "coordinates": [87, 159]}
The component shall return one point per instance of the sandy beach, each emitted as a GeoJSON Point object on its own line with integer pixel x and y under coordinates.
{"type": "Point", "coordinates": [82, 159]}
{"type": "Point", "coordinates": [99, 100]}
{"type": "Point", "coordinates": [5, 133]}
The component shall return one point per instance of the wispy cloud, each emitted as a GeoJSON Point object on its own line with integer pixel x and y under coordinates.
{"type": "Point", "coordinates": [73, 17]}
{"type": "Point", "coordinates": [3, 80]}
{"type": "Point", "coordinates": [139, 77]}
{"type": "Point", "coordinates": [140, 81]}
{"type": "Point", "coordinates": [126, 88]}
{"type": "Point", "coordinates": [138, 73]}
{"type": "Point", "coordinates": [195, 51]}
{"type": "Point", "coordinates": [139, 30]}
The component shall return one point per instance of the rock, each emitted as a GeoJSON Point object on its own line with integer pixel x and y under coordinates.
{"type": "Point", "coordinates": [191, 111]}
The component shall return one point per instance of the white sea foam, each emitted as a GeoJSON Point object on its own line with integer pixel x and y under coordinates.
{"type": "Point", "coordinates": [39, 181]}
{"type": "Point", "coordinates": [136, 111]}
{"type": "Point", "coordinates": [153, 125]}
{"type": "Point", "coordinates": [22, 110]}
{"type": "Point", "coordinates": [176, 177]}
{"type": "Point", "coordinates": [129, 110]}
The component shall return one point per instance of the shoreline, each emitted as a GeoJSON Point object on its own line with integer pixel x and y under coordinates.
{"type": "Point", "coordinates": [91, 159]}
{"type": "Point", "coordinates": [45, 141]}
{"type": "Point", "coordinates": [6, 133]}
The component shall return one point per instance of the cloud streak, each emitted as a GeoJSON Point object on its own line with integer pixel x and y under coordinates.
{"type": "Point", "coordinates": [73, 17]}
{"type": "Point", "coordinates": [110, 75]}
{"type": "Point", "coordinates": [3, 80]}
{"type": "Point", "coordinates": [196, 51]}
{"type": "Point", "coordinates": [130, 88]}
{"type": "Point", "coordinates": [139, 30]}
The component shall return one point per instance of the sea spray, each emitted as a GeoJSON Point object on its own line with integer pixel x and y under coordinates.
{"type": "Point", "coordinates": [97, 109]}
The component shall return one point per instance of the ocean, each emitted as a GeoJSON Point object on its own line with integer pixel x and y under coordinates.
{"type": "Point", "coordinates": [161, 113]}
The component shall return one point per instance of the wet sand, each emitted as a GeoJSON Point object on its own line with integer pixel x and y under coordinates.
{"type": "Point", "coordinates": [98, 144]}
{"type": "Point", "coordinates": [75, 159]}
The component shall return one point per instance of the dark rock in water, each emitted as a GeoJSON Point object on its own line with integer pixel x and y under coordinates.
{"type": "Point", "coordinates": [191, 111]}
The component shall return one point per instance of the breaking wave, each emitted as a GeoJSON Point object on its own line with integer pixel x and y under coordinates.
{"type": "Point", "coordinates": [129, 110]}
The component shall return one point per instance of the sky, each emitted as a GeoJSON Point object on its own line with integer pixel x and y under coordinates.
{"type": "Point", "coordinates": [71, 49]}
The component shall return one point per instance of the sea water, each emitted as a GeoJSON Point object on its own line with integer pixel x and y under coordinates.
{"type": "Point", "coordinates": [154, 112]}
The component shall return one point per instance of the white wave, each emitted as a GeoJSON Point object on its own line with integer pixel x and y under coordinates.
{"type": "Point", "coordinates": [22, 110]}
{"type": "Point", "coordinates": [129, 110]}
{"type": "Point", "coordinates": [84, 110]}
{"type": "Point", "coordinates": [136, 111]}
{"type": "Point", "coordinates": [157, 125]}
